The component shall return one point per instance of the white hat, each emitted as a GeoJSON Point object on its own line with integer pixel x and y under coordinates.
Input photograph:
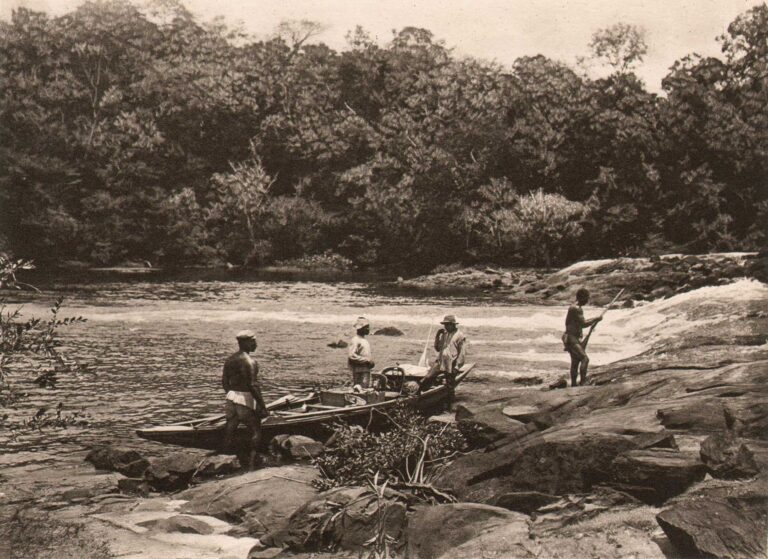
{"type": "Point", "coordinates": [245, 335]}
{"type": "Point", "coordinates": [362, 322]}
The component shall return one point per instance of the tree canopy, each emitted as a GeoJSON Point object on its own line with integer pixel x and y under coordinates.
{"type": "Point", "coordinates": [144, 134]}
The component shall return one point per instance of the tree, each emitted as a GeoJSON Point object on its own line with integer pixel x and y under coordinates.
{"type": "Point", "coordinates": [621, 46]}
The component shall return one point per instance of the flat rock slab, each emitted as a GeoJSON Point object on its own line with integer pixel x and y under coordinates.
{"type": "Point", "coordinates": [521, 413]}
{"type": "Point", "coordinates": [435, 531]}
{"type": "Point", "coordinates": [718, 526]}
{"type": "Point", "coordinates": [657, 473]}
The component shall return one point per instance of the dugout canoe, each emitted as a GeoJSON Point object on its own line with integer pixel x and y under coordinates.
{"type": "Point", "coordinates": [313, 415]}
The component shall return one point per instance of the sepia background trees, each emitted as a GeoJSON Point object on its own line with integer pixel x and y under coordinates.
{"type": "Point", "coordinates": [144, 134]}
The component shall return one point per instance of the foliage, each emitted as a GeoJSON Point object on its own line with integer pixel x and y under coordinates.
{"type": "Point", "coordinates": [140, 133]}
{"type": "Point", "coordinates": [409, 449]}
{"type": "Point", "coordinates": [621, 46]}
{"type": "Point", "coordinates": [30, 348]}
{"type": "Point", "coordinates": [325, 261]}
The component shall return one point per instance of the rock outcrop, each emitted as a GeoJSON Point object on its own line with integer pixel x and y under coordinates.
{"type": "Point", "coordinates": [434, 531]}
{"type": "Point", "coordinates": [262, 500]}
{"type": "Point", "coordinates": [172, 472]}
{"type": "Point", "coordinates": [724, 522]}
{"type": "Point", "coordinates": [643, 278]}
{"type": "Point", "coordinates": [116, 459]}
{"type": "Point", "coordinates": [728, 457]}
{"type": "Point", "coordinates": [296, 447]}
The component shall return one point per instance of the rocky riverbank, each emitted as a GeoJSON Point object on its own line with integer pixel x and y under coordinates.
{"type": "Point", "coordinates": [664, 454]}
{"type": "Point", "coordinates": [644, 279]}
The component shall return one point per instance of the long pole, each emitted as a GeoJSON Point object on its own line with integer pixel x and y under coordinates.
{"type": "Point", "coordinates": [423, 359]}
{"type": "Point", "coordinates": [592, 328]}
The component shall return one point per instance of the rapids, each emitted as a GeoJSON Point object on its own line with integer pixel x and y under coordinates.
{"type": "Point", "coordinates": [154, 347]}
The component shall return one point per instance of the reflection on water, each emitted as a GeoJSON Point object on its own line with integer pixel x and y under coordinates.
{"type": "Point", "coordinates": [155, 348]}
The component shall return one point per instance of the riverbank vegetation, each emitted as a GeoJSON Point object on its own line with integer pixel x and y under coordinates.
{"type": "Point", "coordinates": [29, 354]}
{"type": "Point", "coordinates": [143, 134]}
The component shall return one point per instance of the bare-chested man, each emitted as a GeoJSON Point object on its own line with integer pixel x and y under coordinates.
{"type": "Point", "coordinates": [244, 403]}
{"type": "Point", "coordinates": [574, 345]}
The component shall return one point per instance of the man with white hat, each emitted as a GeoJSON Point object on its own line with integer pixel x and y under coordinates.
{"type": "Point", "coordinates": [451, 346]}
{"type": "Point", "coordinates": [360, 360]}
{"type": "Point", "coordinates": [243, 403]}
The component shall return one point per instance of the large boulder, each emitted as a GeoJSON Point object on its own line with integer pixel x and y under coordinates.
{"type": "Point", "coordinates": [296, 447]}
{"type": "Point", "coordinates": [487, 425]}
{"type": "Point", "coordinates": [725, 522]}
{"type": "Point", "coordinates": [553, 463]}
{"type": "Point", "coordinates": [262, 500]}
{"type": "Point", "coordinates": [117, 459]}
{"type": "Point", "coordinates": [388, 331]}
{"type": "Point", "coordinates": [172, 472]}
{"type": "Point", "coordinates": [727, 457]}
{"type": "Point", "coordinates": [217, 466]}
{"type": "Point", "coordinates": [344, 518]}
{"type": "Point", "coordinates": [654, 475]}
{"type": "Point", "coordinates": [434, 531]}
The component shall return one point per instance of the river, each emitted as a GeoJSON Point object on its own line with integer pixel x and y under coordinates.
{"type": "Point", "coordinates": [154, 345]}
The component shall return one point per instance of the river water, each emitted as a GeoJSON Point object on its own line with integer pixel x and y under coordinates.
{"type": "Point", "coordinates": [155, 344]}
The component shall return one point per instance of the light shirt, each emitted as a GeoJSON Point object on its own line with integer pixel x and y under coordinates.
{"type": "Point", "coordinates": [359, 354]}
{"type": "Point", "coordinates": [452, 350]}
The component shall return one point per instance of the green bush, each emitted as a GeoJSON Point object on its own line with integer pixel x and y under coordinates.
{"type": "Point", "coordinates": [408, 450]}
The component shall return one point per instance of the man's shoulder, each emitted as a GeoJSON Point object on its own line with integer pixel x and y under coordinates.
{"type": "Point", "coordinates": [237, 357]}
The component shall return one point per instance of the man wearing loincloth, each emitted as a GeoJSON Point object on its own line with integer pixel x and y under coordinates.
{"type": "Point", "coordinates": [243, 403]}
{"type": "Point", "coordinates": [572, 338]}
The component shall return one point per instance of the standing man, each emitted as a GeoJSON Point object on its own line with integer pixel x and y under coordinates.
{"type": "Point", "coordinates": [360, 360]}
{"type": "Point", "coordinates": [574, 326]}
{"type": "Point", "coordinates": [243, 403]}
{"type": "Point", "coordinates": [451, 346]}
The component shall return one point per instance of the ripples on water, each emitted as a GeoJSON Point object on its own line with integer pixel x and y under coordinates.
{"type": "Point", "coordinates": [155, 348]}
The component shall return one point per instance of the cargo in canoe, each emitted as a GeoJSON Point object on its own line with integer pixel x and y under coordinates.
{"type": "Point", "coordinates": [312, 415]}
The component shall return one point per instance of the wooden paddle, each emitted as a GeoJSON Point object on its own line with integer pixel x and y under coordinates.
{"type": "Point", "coordinates": [592, 328]}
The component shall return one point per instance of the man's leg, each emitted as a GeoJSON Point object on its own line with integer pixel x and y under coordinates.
{"type": "Point", "coordinates": [429, 378]}
{"type": "Point", "coordinates": [583, 369]}
{"type": "Point", "coordinates": [574, 368]}
{"type": "Point", "coordinates": [579, 359]}
{"type": "Point", "coordinates": [230, 413]}
{"type": "Point", "coordinates": [252, 420]}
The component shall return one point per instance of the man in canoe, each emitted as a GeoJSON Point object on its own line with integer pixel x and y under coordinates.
{"type": "Point", "coordinates": [572, 338]}
{"type": "Point", "coordinates": [243, 403]}
{"type": "Point", "coordinates": [360, 359]}
{"type": "Point", "coordinates": [451, 346]}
